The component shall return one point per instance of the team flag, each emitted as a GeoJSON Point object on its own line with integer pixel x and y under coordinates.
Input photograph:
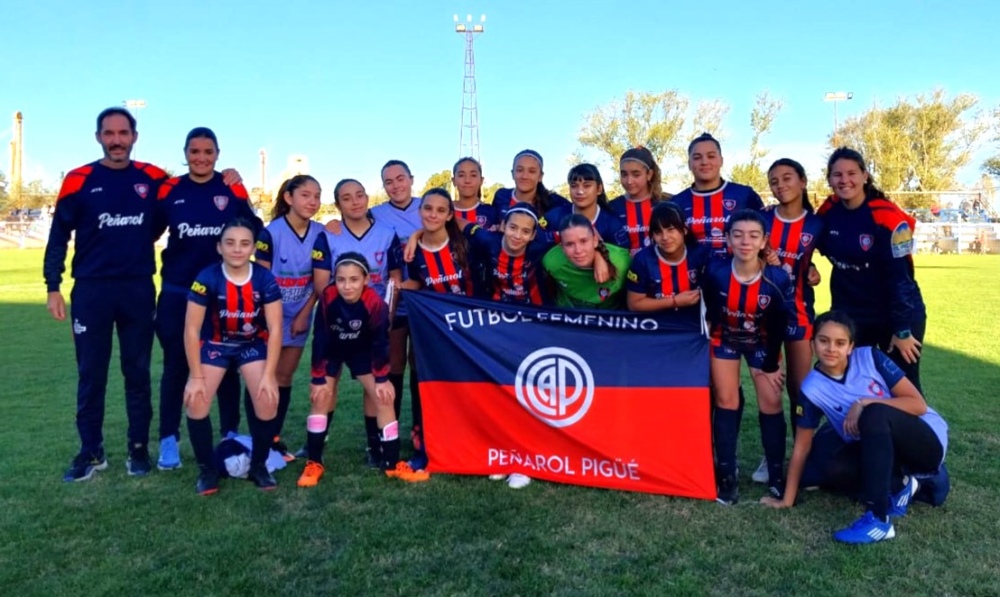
{"type": "Point", "coordinates": [604, 399]}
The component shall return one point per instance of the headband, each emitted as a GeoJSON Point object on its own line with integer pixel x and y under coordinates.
{"type": "Point", "coordinates": [363, 267]}
{"type": "Point", "coordinates": [532, 153]}
{"type": "Point", "coordinates": [521, 210]}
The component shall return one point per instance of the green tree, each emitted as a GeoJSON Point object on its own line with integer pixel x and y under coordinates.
{"type": "Point", "coordinates": [440, 179]}
{"type": "Point", "coordinates": [992, 164]}
{"type": "Point", "coordinates": [751, 173]}
{"type": "Point", "coordinates": [662, 122]}
{"type": "Point", "coordinates": [917, 144]}
{"type": "Point", "coordinates": [490, 191]}
{"type": "Point", "coordinates": [4, 197]}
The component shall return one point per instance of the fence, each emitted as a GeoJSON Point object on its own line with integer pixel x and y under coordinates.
{"type": "Point", "coordinates": [941, 237]}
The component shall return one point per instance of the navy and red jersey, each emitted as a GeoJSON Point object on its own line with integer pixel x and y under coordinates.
{"type": "Point", "coordinates": [707, 212]}
{"type": "Point", "coordinates": [234, 309]}
{"type": "Point", "coordinates": [111, 212]}
{"type": "Point", "coordinates": [481, 214]}
{"type": "Point", "coordinates": [436, 270]}
{"type": "Point", "coordinates": [508, 279]}
{"type": "Point", "coordinates": [194, 213]}
{"type": "Point", "coordinates": [635, 216]}
{"type": "Point", "coordinates": [608, 226]}
{"type": "Point", "coordinates": [652, 275]}
{"type": "Point", "coordinates": [505, 199]}
{"type": "Point", "coordinates": [794, 242]}
{"type": "Point", "coordinates": [871, 249]}
{"type": "Point", "coordinates": [748, 315]}
{"type": "Point", "coordinates": [343, 331]}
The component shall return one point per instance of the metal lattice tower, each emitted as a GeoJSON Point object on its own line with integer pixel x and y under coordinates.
{"type": "Point", "coordinates": [468, 137]}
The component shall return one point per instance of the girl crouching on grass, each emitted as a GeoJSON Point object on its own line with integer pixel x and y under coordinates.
{"type": "Point", "coordinates": [233, 318]}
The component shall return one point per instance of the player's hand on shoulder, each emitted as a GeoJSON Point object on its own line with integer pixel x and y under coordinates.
{"type": "Point", "coordinates": [230, 177]}
{"type": "Point", "coordinates": [334, 227]}
{"type": "Point", "coordinates": [771, 256]}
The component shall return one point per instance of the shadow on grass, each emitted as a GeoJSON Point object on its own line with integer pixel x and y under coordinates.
{"type": "Point", "coordinates": [360, 533]}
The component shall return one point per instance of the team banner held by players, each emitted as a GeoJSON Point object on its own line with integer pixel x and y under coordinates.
{"type": "Point", "coordinates": [605, 399]}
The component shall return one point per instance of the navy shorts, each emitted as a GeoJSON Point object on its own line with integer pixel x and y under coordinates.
{"type": "Point", "coordinates": [357, 364]}
{"type": "Point", "coordinates": [754, 354]}
{"type": "Point", "coordinates": [228, 355]}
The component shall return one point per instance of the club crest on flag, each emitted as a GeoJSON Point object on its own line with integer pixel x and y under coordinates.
{"type": "Point", "coordinates": [220, 201]}
{"type": "Point", "coordinates": [142, 190]}
{"type": "Point", "coordinates": [729, 204]}
{"type": "Point", "coordinates": [806, 238]}
{"type": "Point", "coordinates": [556, 385]}
{"type": "Point", "coordinates": [763, 300]}
{"type": "Point", "coordinates": [866, 241]}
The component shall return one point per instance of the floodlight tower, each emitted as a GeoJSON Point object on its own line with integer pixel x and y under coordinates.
{"type": "Point", "coordinates": [468, 136]}
{"type": "Point", "coordinates": [17, 157]}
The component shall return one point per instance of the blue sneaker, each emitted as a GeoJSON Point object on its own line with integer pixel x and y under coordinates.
{"type": "Point", "coordinates": [419, 460]}
{"type": "Point", "coordinates": [901, 501]}
{"type": "Point", "coordinates": [866, 529]}
{"type": "Point", "coordinates": [84, 466]}
{"type": "Point", "coordinates": [170, 454]}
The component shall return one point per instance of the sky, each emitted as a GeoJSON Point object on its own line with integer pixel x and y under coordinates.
{"type": "Point", "coordinates": [351, 85]}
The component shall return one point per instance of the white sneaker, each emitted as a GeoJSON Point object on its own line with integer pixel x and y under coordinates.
{"type": "Point", "coordinates": [497, 477]}
{"type": "Point", "coordinates": [760, 475]}
{"type": "Point", "coordinates": [518, 481]}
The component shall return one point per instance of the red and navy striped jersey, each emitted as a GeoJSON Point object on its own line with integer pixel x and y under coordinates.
{"type": "Point", "coordinates": [195, 213]}
{"type": "Point", "coordinates": [750, 314]}
{"type": "Point", "coordinates": [794, 242]}
{"type": "Point", "coordinates": [111, 212]}
{"type": "Point", "coordinates": [608, 226]}
{"type": "Point", "coordinates": [343, 331]}
{"type": "Point", "coordinates": [482, 214]}
{"type": "Point", "coordinates": [652, 275]}
{"type": "Point", "coordinates": [635, 216]}
{"type": "Point", "coordinates": [707, 212]}
{"type": "Point", "coordinates": [436, 270]}
{"type": "Point", "coordinates": [234, 309]}
{"type": "Point", "coordinates": [509, 279]}
{"type": "Point", "coordinates": [871, 251]}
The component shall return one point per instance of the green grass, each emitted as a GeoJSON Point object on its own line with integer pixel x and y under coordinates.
{"type": "Point", "coordinates": [360, 534]}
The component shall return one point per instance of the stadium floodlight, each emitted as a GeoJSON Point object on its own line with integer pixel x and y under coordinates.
{"type": "Point", "coordinates": [837, 97]}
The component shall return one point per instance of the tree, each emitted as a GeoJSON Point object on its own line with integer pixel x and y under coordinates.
{"type": "Point", "coordinates": [4, 197]}
{"type": "Point", "coordinates": [917, 144]}
{"type": "Point", "coordinates": [661, 122]}
{"type": "Point", "coordinates": [762, 118]}
{"type": "Point", "coordinates": [992, 165]}
{"type": "Point", "coordinates": [490, 191]}
{"type": "Point", "coordinates": [440, 179]}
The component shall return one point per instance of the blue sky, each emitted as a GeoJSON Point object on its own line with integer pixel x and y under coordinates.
{"type": "Point", "coordinates": [352, 84]}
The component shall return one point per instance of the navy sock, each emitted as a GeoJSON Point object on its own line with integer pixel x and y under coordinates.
{"type": "Point", "coordinates": [739, 410]}
{"type": "Point", "coordinates": [200, 431]}
{"type": "Point", "coordinates": [725, 431]}
{"type": "Point", "coordinates": [314, 446]}
{"type": "Point", "coordinates": [284, 400]}
{"type": "Point", "coordinates": [374, 442]}
{"type": "Point", "coordinates": [772, 436]}
{"type": "Point", "coordinates": [262, 441]}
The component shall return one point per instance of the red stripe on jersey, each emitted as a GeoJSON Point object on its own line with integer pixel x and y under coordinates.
{"type": "Point", "coordinates": [166, 187]}
{"type": "Point", "coordinates": [699, 227]}
{"type": "Point", "coordinates": [503, 267]}
{"type": "Point", "coordinates": [74, 181]}
{"type": "Point", "coordinates": [247, 309]}
{"type": "Point", "coordinates": [733, 300]}
{"type": "Point", "coordinates": [667, 286]}
{"type": "Point", "coordinates": [450, 269]}
{"type": "Point", "coordinates": [434, 271]}
{"type": "Point", "coordinates": [469, 215]}
{"type": "Point", "coordinates": [637, 215]}
{"type": "Point", "coordinates": [232, 305]}
{"type": "Point", "coordinates": [786, 238]}
{"type": "Point", "coordinates": [716, 211]}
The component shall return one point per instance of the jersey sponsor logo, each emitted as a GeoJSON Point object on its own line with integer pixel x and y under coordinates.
{"type": "Point", "coordinates": [239, 314]}
{"type": "Point", "coordinates": [118, 220]}
{"type": "Point", "coordinates": [729, 204]}
{"type": "Point", "coordinates": [262, 246]}
{"type": "Point", "coordinates": [806, 238]}
{"type": "Point", "coordinates": [763, 300]}
{"type": "Point", "coordinates": [866, 241]}
{"type": "Point", "coordinates": [199, 288]}
{"type": "Point", "coordinates": [97, 190]}
{"type": "Point", "coordinates": [142, 189]}
{"type": "Point", "coordinates": [220, 201]}
{"type": "Point", "coordinates": [632, 276]}
{"type": "Point", "coordinates": [555, 385]}
{"type": "Point", "coordinates": [317, 255]}
{"type": "Point", "coordinates": [902, 240]}
{"type": "Point", "coordinates": [187, 230]}
{"type": "Point", "coordinates": [717, 232]}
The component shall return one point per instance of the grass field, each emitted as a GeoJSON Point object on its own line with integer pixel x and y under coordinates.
{"type": "Point", "coordinates": [358, 533]}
